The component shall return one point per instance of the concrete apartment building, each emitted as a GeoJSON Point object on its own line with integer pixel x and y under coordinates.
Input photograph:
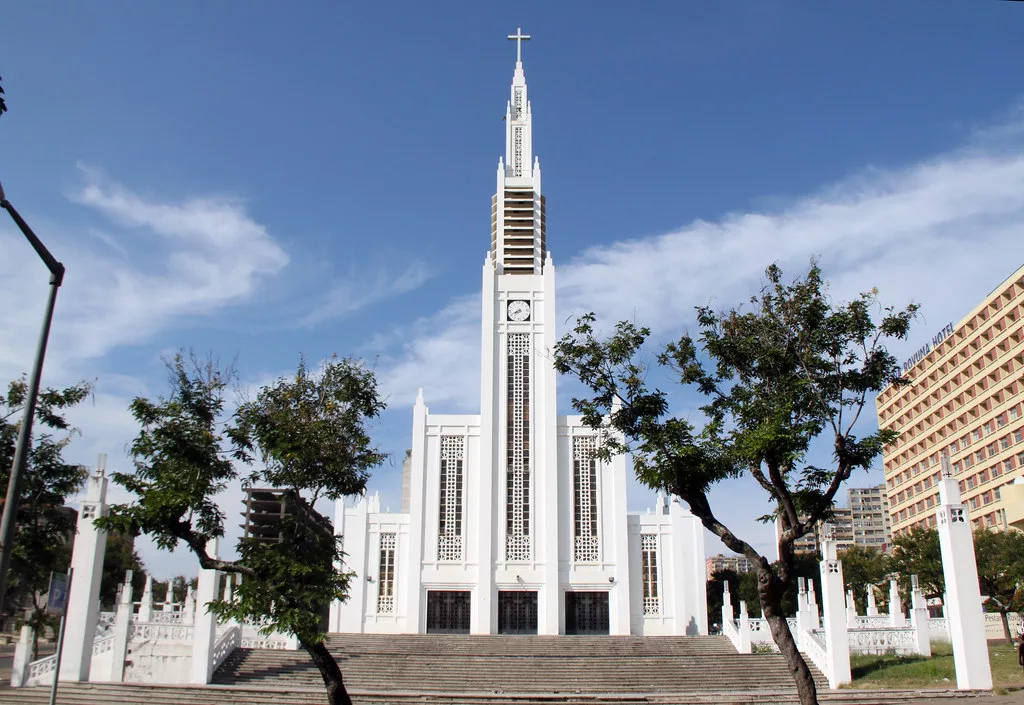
{"type": "Point", "coordinates": [965, 400]}
{"type": "Point", "coordinates": [863, 522]}
{"type": "Point", "coordinates": [738, 564]}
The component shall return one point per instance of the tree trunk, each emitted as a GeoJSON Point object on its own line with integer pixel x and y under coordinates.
{"type": "Point", "coordinates": [770, 590]}
{"type": "Point", "coordinates": [1006, 625]}
{"type": "Point", "coordinates": [329, 671]}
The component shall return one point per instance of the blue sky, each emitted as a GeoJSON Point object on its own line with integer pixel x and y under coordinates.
{"type": "Point", "coordinates": [265, 180]}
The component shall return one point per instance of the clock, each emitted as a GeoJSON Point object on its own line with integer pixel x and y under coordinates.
{"type": "Point", "coordinates": [518, 311]}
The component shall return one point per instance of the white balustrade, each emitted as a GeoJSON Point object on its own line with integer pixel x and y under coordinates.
{"type": "Point", "coordinates": [266, 643]}
{"type": "Point", "coordinates": [883, 640]}
{"type": "Point", "coordinates": [153, 631]}
{"type": "Point", "coordinates": [228, 642]}
{"type": "Point", "coordinates": [40, 671]}
{"type": "Point", "coordinates": [814, 649]}
{"type": "Point", "coordinates": [872, 622]}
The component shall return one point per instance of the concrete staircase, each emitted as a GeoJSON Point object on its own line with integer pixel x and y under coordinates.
{"type": "Point", "coordinates": [487, 670]}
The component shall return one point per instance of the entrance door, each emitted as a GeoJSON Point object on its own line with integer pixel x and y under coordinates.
{"type": "Point", "coordinates": [517, 612]}
{"type": "Point", "coordinates": [586, 613]}
{"type": "Point", "coordinates": [448, 612]}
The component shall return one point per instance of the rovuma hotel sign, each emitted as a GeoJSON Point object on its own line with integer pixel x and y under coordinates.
{"type": "Point", "coordinates": [927, 347]}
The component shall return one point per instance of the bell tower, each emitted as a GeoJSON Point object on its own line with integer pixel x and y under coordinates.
{"type": "Point", "coordinates": [518, 422]}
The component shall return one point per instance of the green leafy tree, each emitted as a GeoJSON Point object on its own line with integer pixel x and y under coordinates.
{"type": "Point", "coordinates": [44, 525]}
{"type": "Point", "coordinates": [120, 556]}
{"type": "Point", "coordinates": [306, 435]}
{"type": "Point", "coordinates": [916, 552]}
{"type": "Point", "coordinates": [865, 568]}
{"type": "Point", "coordinates": [789, 369]}
{"type": "Point", "coordinates": [3, 103]}
{"type": "Point", "coordinates": [1000, 556]}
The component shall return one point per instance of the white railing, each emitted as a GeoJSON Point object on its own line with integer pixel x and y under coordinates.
{"type": "Point", "coordinates": [730, 628]}
{"type": "Point", "coordinates": [876, 622]}
{"type": "Point", "coordinates": [227, 643]}
{"type": "Point", "coordinates": [267, 643]}
{"type": "Point", "coordinates": [791, 621]}
{"type": "Point", "coordinates": [107, 618]}
{"type": "Point", "coordinates": [902, 642]}
{"type": "Point", "coordinates": [167, 618]}
{"type": "Point", "coordinates": [938, 629]}
{"type": "Point", "coordinates": [102, 646]}
{"type": "Point", "coordinates": [40, 672]}
{"type": "Point", "coordinates": [150, 631]}
{"type": "Point", "coordinates": [814, 649]}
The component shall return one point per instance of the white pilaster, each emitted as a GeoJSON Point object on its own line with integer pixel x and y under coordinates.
{"type": "Point", "coordinates": [204, 633]}
{"type": "Point", "coordinates": [872, 609]}
{"type": "Point", "coordinates": [544, 459]}
{"type": "Point", "coordinates": [965, 618]}
{"type": "Point", "coordinates": [744, 629]}
{"type": "Point", "coordinates": [23, 656]}
{"type": "Point", "coordinates": [124, 611]}
{"type": "Point", "coordinates": [83, 598]}
{"type": "Point", "coordinates": [483, 619]}
{"type": "Point", "coordinates": [896, 616]}
{"type": "Point", "coordinates": [408, 569]}
{"type": "Point", "coordinates": [851, 609]}
{"type": "Point", "coordinates": [919, 619]}
{"type": "Point", "coordinates": [351, 614]}
{"type": "Point", "coordinates": [146, 603]}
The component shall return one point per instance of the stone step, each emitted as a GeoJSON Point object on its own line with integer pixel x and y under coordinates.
{"type": "Point", "coordinates": [118, 694]}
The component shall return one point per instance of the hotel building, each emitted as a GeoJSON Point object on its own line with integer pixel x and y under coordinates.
{"type": "Point", "coordinates": [964, 399]}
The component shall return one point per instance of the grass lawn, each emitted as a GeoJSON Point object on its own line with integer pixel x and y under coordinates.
{"type": "Point", "coordinates": [934, 672]}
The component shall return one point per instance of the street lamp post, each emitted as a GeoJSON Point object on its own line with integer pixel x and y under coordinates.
{"type": "Point", "coordinates": [25, 433]}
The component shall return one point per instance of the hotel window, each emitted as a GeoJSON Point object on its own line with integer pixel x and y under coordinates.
{"type": "Point", "coordinates": [968, 461]}
{"type": "Point", "coordinates": [953, 447]}
{"type": "Point", "coordinates": [983, 476]}
{"type": "Point", "coordinates": [977, 434]}
{"type": "Point", "coordinates": [386, 575]}
{"type": "Point", "coordinates": [972, 481]}
{"type": "Point", "coordinates": [992, 449]}
{"type": "Point", "coordinates": [1013, 413]}
{"type": "Point", "coordinates": [1001, 420]}
{"type": "Point", "coordinates": [966, 441]}
{"type": "Point", "coordinates": [980, 455]}
{"type": "Point", "coordinates": [1018, 435]}
{"type": "Point", "coordinates": [996, 472]}
{"type": "Point", "coordinates": [1004, 442]}
{"type": "Point", "coordinates": [1008, 465]}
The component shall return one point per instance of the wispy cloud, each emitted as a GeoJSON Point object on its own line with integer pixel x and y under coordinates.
{"type": "Point", "coordinates": [358, 291]}
{"type": "Point", "coordinates": [941, 233]}
{"type": "Point", "coordinates": [163, 261]}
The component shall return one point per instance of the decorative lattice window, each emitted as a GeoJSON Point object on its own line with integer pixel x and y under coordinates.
{"type": "Point", "coordinates": [88, 511]}
{"type": "Point", "coordinates": [517, 483]}
{"type": "Point", "coordinates": [517, 104]}
{"type": "Point", "coordinates": [584, 500]}
{"type": "Point", "coordinates": [649, 566]}
{"type": "Point", "coordinates": [449, 528]}
{"type": "Point", "coordinates": [386, 575]}
{"type": "Point", "coordinates": [517, 153]}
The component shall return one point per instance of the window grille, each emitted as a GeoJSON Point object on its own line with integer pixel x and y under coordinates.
{"type": "Point", "coordinates": [649, 565]}
{"type": "Point", "coordinates": [517, 500]}
{"type": "Point", "coordinates": [584, 494]}
{"type": "Point", "coordinates": [386, 575]}
{"type": "Point", "coordinates": [517, 104]}
{"type": "Point", "coordinates": [517, 161]}
{"type": "Point", "coordinates": [449, 530]}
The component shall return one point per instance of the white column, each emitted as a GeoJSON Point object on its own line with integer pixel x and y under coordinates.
{"type": "Point", "coordinates": [23, 656]}
{"type": "Point", "coordinates": [84, 596]}
{"type": "Point", "coordinates": [744, 629]}
{"type": "Point", "coordinates": [188, 610]}
{"type": "Point", "coordinates": [851, 609]}
{"type": "Point", "coordinates": [812, 606]}
{"type": "Point", "coordinates": [872, 610]}
{"type": "Point", "coordinates": [146, 602]}
{"type": "Point", "coordinates": [965, 617]}
{"type": "Point", "coordinates": [836, 640]}
{"type": "Point", "coordinates": [204, 634]}
{"type": "Point", "coordinates": [919, 619]}
{"type": "Point", "coordinates": [896, 616]}
{"type": "Point", "coordinates": [728, 614]}
{"type": "Point", "coordinates": [802, 612]}
{"type": "Point", "coordinates": [544, 460]}
{"type": "Point", "coordinates": [619, 548]}
{"type": "Point", "coordinates": [408, 568]}
{"type": "Point", "coordinates": [124, 611]}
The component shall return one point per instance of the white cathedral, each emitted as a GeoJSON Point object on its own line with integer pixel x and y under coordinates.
{"type": "Point", "coordinates": [509, 524]}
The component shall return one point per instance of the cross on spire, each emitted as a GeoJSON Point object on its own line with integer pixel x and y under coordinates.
{"type": "Point", "coordinates": [519, 37]}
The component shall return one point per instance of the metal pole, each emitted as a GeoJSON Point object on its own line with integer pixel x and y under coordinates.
{"type": "Point", "coordinates": [10, 515]}
{"type": "Point", "coordinates": [60, 640]}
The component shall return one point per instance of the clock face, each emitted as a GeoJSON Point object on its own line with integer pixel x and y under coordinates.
{"type": "Point", "coordinates": [518, 311]}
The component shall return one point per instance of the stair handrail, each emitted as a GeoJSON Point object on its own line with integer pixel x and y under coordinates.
{"type": "Point", "coordinates": [230, 640]}
{"type": "Point", "coordinates": [40, 671]}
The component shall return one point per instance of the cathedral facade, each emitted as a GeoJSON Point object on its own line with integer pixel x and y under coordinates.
{"type": "Point", "coordinates": [509, 523]}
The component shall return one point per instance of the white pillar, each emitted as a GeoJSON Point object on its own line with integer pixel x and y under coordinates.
{"type": "Point", "coordinates": [802, 612]}
{"type": "Point", "coordinates": [744, 630]}
{"type": "Point", "coordinates": [188, 610]}
{"type": "Point", "coordinates": [146, 603]}
{"type": "Point", "coordinates": [872, 610]}
{"type": "Point", "coordinates": [965, 617]}
{"type": "Point", "coordinates": [919, 619]}
{"type": "Point", "coordinates": [84, 596]}
{"type": "Point", "coordinates": [851, 609]}
{"type": "Point", "coordinates": [482, 546]}
{"type": "Point", "coordinates": [408, 569]}
{"type": "Point", "coordinates": [812, 605]}
{"type": "Point", "coordinates": [204, 634]}
{"type": "Point", "coordinates": [124, 611]}
{"type": "Point", "coordinates": [727, 611]}
{"type": "Point", "coordinates": [896, 616]}
{"type": "Point", "coordinates": [23, 656]}
{"type": "Point", "coordinates": [836, 640]}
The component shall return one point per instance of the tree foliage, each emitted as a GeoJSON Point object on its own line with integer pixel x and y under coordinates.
{"type": "Point", "coordinates": [120, 556]}
{"type": "Point", "coordinates": [917, 552]}
{"type": "Point", "coordinates": [1000, 557]}
{"type": "Point", "coordinates": [306, 435]}
{"type": "Point", "coordinates": [3, 103]}
{"type": "Point", "coordinates": [866, 568]}
{"type": "Point", "coordinates": [44, 525]}
{"type": "Point", "coordinates": [775, 376]}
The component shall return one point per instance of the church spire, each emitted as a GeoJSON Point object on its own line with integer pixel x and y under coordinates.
{"type": "Point", "coordinates": [518, 240]}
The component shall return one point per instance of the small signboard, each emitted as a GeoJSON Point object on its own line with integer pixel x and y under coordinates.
{"type": "Point", "coordinates": [934, 601]}
{"type": "Point", "coordinates": [57, 595]}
